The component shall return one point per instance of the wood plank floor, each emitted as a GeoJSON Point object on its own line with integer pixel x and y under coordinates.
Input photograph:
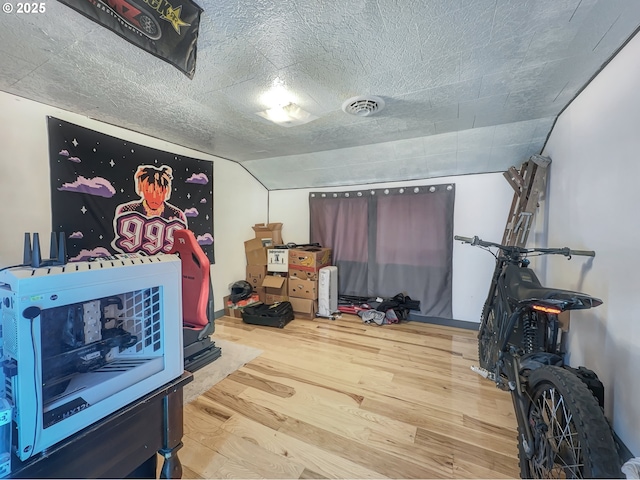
{"type": "Point", "coordinates": [340, 399]}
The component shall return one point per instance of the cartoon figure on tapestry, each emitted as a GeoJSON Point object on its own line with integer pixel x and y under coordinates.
{"type": "Point", "coordinates": [147, 225]}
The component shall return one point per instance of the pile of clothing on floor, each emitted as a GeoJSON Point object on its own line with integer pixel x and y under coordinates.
{"type": "Point", "coordinates": [378, 310]}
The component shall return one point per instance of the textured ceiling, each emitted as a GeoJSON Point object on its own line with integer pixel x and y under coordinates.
{"type": "Point", "coordinates": [470, 86]}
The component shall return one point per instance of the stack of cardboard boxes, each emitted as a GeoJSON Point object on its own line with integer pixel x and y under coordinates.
{"type": "Point", "coordinates": [264, 287]}
{"type": "Point", "coordinates": [281, 274]}
{"type": "Point", "coordinates": [270, 284]}
{"type": "Point", "coordinates": [303, 265]}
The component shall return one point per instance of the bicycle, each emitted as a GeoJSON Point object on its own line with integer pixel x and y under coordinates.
{"type": "Point", "coordinates": [562, 429]}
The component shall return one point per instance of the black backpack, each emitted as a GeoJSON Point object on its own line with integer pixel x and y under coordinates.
{"type": "Point", "coordinates": [401, 304]}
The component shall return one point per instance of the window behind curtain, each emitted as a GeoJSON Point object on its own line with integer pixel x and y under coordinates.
{"type": "Point", "coordinates": [388, 241]}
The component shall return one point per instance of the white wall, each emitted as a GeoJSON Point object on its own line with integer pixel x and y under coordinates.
{"type": "Point", "coordinates": [26, 200]}
{"type": "Point", "coordinates": [593, 203]}
{"type": "Point", "coordinates": [481, 207]}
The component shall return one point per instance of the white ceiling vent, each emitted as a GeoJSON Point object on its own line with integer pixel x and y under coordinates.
{"type": "Point", "coordinates": [363, 106]}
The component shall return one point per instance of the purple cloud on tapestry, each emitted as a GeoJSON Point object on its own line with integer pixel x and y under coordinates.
{"type": "Point", "coordinates": [97, 186]}
{"type": "Point", "coordinates": [191, 212]}
{"type": "Point", "coordinates": [76, 235]}
{"type": "Point", "coordinates": [87, 254]}
{"type": "Point", "coordinates": [199, 178]}
{"type": "Point", "coordinates": [206, 239]}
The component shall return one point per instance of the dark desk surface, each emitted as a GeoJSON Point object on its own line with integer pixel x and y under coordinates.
{"type": "Point", "coordinates": [119, 444]}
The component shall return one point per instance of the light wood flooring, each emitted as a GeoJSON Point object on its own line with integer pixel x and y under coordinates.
{"type": "Point", "coordinates": [341, 399]}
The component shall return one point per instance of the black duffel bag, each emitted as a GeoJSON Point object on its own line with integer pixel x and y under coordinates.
{"type": "Point", "coordinates": [275, 315]}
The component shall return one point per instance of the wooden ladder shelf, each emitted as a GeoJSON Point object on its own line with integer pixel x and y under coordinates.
{"type": "Point", "coordinates": [529, 184]}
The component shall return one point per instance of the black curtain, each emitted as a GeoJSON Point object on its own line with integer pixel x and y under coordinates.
{"type": "Point", "coordinates": [388, 241]}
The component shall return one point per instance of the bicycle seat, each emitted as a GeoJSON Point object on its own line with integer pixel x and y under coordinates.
{"type": "Point", "coordinates": [523, 285]}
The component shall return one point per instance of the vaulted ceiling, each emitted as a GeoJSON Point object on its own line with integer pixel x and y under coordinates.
{"type": "Point", "coordinates": [469, 86]}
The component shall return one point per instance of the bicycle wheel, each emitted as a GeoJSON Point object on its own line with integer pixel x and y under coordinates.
{"type": "Point", "coordinates": [572, 438]}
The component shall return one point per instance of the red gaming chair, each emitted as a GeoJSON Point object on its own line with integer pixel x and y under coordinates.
{"type": "Point", "coordinates": [197, 302]}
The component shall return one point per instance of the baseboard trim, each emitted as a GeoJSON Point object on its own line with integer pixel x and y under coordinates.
{"type": "Point", "coordinates": [447, 322]}
{"type": "Point", "coordinates": [218, 314]}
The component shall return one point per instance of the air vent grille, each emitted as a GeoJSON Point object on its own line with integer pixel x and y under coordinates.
{"type": "Point", "coordinates": [363, 106]}
{"type": "Point", "coordinates": [10, 333]}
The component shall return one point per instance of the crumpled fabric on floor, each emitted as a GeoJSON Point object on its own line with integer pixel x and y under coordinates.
{"type": "Point", "coordinates": [372, 316]}
{"type": "Point", "coordinates": [632, 468]}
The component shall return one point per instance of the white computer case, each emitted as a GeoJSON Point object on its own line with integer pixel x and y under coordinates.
{"type": "Point", "coordinates": [84, 379]}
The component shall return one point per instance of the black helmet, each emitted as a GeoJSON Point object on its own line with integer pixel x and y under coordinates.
{"type": "Point", "coordinates": [240, 290]}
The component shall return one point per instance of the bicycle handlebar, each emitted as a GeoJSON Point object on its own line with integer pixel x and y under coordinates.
{"type": "Point", "coordinates": [566, 251]}
{"type": "Point", "coordinates": [463, 239]}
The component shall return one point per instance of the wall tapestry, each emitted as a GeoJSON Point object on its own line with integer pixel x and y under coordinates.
{"type": "Point", "coordinates": [113, 196]}
{"type": "Point", "coordinates": [167, 29]}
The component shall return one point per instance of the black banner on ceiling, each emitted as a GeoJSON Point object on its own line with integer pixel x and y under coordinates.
{"type": "Point", "coordinates": [167, 29]}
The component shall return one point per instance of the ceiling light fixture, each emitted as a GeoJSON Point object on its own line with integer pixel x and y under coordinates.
{"type": "Point", "coordinates": [288, 115]}
{"type": "Point", "coordinates": [282, 109]}
{"type": "Point", "coordinates": [277, 95]}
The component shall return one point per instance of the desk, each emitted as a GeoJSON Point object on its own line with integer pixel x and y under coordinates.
{"type": "Point", "coordinates": [124, 444]}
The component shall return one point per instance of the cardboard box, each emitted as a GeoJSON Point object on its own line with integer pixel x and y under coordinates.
{"type": "Point", "coordinates": [304, 308]}
{"type": "Point", "coordinates": [276, 288]}
{"type": "Point", "coordinates": [255, 275]}
{"type": "Point", "coordinates": [230, 312]}
{"type": "Point", "coordinates": [242, 303]}
{"type": "Point", "coordinates": [233, 312]}
{"type": "Point", "coordinates": [235, 309]}
{"type": "Point", "coordinates": [277, 260]}
{"type": "Point", "coordinates": [255, 252]}
{"type": "Point", "coordinates": [262, 293]}
{"type": "Point", "coordinates": [275, 285]}
{"type": "Point", "coordinates": [301, 288]}
{"type": "Point", "coordinates": [271, 231]}
{"type": "Point", "coordinates": [303, 274]}
{"type": "Point", "coordinates": [309, 258]}
{"type": "Point", "coordinates": [270, 298]}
